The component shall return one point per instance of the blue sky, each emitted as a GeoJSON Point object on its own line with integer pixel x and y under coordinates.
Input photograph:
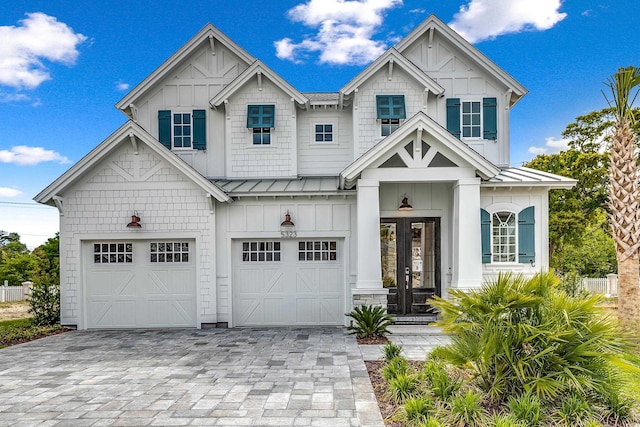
{"type": "Point", "coordinates": [64, 64]}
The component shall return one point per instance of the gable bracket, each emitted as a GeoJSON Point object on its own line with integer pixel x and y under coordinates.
{"type": "Point", "coordinates": [212, 203]}
{"type": "Point", "coordinates": [508, 99]}
{"type": "Point", "coordinates": [226, 109]}
{"type": "Point", "coordinates": [425, 98]}
{"type": "Point", "coordinates": [134, 143]}
{"type": "Point", "coordinates": [390, 70]}
{"type": "Point", "coordinates": [59, 201]}
{"type": "Point", "coordinates": [417, 145]}
{"type": "Point", "coordinates": [259, 74]}
{"type": "Point", "coordinates": [430, 37]}
{"type": "Point", "coordinates": [293, 108]}
{"type": "Point", "coordinates": [355, 99]}
{"type": "Point", "coordinates": [212, 44]}
{"type": "Point", "coordinates": [134, 112]}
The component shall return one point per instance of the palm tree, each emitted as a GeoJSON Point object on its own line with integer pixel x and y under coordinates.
{"type": "Point", "coordinates": [624, 212]}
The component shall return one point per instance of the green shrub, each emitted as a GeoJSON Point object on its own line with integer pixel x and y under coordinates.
{"type": "Point", "coordinates": [571, 284]}
{"type": "Point", "coordinates": [574, 411]}
{"type": "Point", "coordinates": [416, 410]}
{"type": "Point", "coordinates": [402, 387]}
{"type": "Point", "coordinates": [21, 330]}
{"type": "Point", "coordinates": [370, 321]}
{"type": "Point", "coordinates": [396, 366]}
{"type": "Point", "coordinates": [391, 351]}
{"type": "Point", "coordinates": [466, 409]}
{"type": "Point", "coordinates": [45, 304]}
{"type": "Point", "coordinates": [431, 421]}
{"type": "Point", "coordinates": [618, 408]}
{"type": "Point", "coordinates": [518, 334]}
{"type": "Point", "coordinates": [441, 384]}
{"type": "Point", "coordinates": [527, 409]}
{"type": "Point", "coordinates": [500, 420]}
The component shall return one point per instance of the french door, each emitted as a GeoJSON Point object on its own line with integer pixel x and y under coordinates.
{"type": "Point", "coordinates": [410, 249]}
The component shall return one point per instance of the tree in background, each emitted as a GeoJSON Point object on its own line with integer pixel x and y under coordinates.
{"type": "Point", "coordinates": [623, 192]}
{"type": "Point", "coordinates": [16, 263]}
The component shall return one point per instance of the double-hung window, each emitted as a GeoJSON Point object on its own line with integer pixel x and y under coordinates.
{"type": "Point", "coordinates": [182, 130]}
{"type": "Point", "coordinates": [261, 119]}
{"type": "Point", "coordinates": [390, 111]}
{"type": "Point", "coordinates": [473, 119]}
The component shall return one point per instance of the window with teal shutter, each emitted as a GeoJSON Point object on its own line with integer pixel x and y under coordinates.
{"type": "Point", "coordinates": [164, 128]}
{"type": "Point", "coordinates": [490, 118]}
{"type": "Point", "coordinates": [485, 231]}
{"type": "Point", "coordinates": [453, 116]}
{"type": "Point", "coordinates": [199, 130]}
{"type": "Point", "coordinates": [260, 116]}
{"type": "Point", "coordinates": [390, 107]}
{"type": "Point", "coordinates": [526, 235]}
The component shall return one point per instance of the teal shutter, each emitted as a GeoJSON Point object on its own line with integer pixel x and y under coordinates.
{"type": "Point", "coordinates": [199, 129]}
{"type": "Point", "coordinates": [526, 235]}
{"type": "Point", "coordinates": [390, 107]}
{"type": "Point", "coordinates": [164, 128]}
{"type": "Point", "coordinates": [490, 118]}
{"type": "Point", "coordinates": [453, 116]}
{"type": "Point", "coordinates": [485, 231]}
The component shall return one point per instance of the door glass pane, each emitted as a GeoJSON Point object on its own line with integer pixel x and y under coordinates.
{"type": "Point", "coordinates": [422, 255]}
{"type": "Point", "coordinates": [388, 234]}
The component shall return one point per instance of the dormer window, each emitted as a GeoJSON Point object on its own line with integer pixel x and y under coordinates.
{"type": "Point", "coordinates": [261, 119]}
{"type": "Point", "coordinates": [390, 110]}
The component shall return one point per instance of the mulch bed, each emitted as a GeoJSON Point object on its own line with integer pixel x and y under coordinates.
{"type": "Point", "coordinates": [373, 340]}
{"type": "Point", "coordinates": [388, 408]}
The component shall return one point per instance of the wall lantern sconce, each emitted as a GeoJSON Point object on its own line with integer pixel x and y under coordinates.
{"type": "Point", "coordinates": [405, 206]}
{"type": "Point", "coordinates": [287, 227]}
{"type": "Point", "coordinates": [135, 221]}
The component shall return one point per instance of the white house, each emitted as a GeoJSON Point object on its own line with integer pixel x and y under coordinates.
{"type": "Point", "coordinates": [229, 198]}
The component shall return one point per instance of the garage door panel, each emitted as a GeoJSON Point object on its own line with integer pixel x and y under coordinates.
{"type": "Point", "coordinates": [143, 291]}
{"type": "Point", "coordinates": [302, 286]}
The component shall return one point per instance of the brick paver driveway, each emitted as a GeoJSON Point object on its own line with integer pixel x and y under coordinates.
{"type": "Point", "coordinates": [232, 377]}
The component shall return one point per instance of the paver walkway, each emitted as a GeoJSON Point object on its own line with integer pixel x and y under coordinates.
{"type": "Point", "coordinates": [416, 341]}
{"type": "Point", "coordinates": [233, 377]}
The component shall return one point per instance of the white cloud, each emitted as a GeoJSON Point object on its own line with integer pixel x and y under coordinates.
{"type": "Point", "coordinates": [9, 192]}
{"type": "Point", "coordinates": [419, 10]}
{"type": "Point", "coordinates": [38, 37]}
{"type": "Point", "coordinates": [486, 19]}
{"type": "Point", "coordinates": [345, 30]}
{"type": "Point", "coordinates": [122, 86]}
{"type": "Point", "coordinates": [14, 97]}
{"type": "Point", "coordinates": [27, 156]}
{"type": "Point", "coordinates": [551, 146]}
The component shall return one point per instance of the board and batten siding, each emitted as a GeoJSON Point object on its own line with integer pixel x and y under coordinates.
{"type": "Point", "coordinates": [324, 159]}
{"type": "Point", "coordinates": [100, 206]}
{"type": "Point", "coordinates": [253, 219]}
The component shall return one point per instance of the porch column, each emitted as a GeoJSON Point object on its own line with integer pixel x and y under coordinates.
{"type": "Point", "coordinates": [369, 262]}
{"type": "Point", "coordinates": [467, 239]}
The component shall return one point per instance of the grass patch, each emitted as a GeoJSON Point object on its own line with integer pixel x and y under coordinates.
{"type": "Point", "coordinates": [21, 330]}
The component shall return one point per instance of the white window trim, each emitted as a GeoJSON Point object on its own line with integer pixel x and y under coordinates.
{"type": "Point", "coordinates": [173, 137]}
{"type": "Point", "coordinates": [515, 214]}
{"type": "Point", "coordinates": [323, 143]}
{"type": "Point", "coordinates": [472, 138]}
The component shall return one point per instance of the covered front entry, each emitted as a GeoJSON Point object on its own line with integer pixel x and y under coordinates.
{"type": "Point", "coordinates": [287, 282]}
{"type": "Point", "coordinates": [410, 250]}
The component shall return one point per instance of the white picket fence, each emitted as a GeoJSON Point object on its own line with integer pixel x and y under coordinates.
{"type": "Point", "coordinates": [602, 285]}
{"type": "Point", "coordinates": [11, 293]}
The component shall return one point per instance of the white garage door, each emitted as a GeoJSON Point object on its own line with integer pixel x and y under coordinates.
{"type": "Point", "coordinates": [140, 284]}
{"type": "Point", "coordinates": [288, 282]}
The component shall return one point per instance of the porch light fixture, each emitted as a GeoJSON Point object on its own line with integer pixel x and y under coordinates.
{"type": "Point", "coordinates": [405, 206]}
{"type": "Point", "coordinates": [135, 221]}
{"type": "Point", "coordinates": [287, 227]}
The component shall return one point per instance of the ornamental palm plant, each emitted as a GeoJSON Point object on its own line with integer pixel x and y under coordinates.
{"type": "Point", "coordinates": [624, 212]}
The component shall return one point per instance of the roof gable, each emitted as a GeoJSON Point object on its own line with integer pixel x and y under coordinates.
{"type": "Point", "coordinates": [208, 35]}
{"type": "Point", "coordinates": [434, 24]}
{"type": "Point", "coordinates": [129, 133]}
{"type": "Point", "coordinates": [392, 58]}
{"type": "Point", "coordinates": [258, 70]}
{"type": "Point", "coordinates": [396, 151]}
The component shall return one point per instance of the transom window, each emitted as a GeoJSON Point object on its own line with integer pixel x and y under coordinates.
{"type": "Point", "coordinates": [260, 251]}
{"type": "Point", "coordinates": [471, 119]}
{"type": "Point", "coordinates": [182, 130]}
{"type": "Point", "coordinates": [112, 253]}
{"type": "Point", "coordinates": [318, 250]}
{"type": "Point", "coordinates": [161, 252]}
{"type": "Point", "coordinates": [324, 133]}
{"type": "Point", "coordinates": [504, 236]}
